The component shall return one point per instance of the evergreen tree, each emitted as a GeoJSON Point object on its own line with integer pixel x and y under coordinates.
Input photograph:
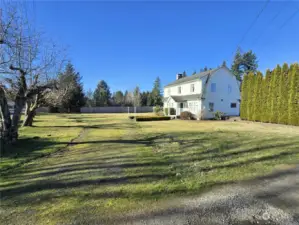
{"type": "Point", "coordinates": [102, 94]}
{"type": "Point", "coordinates": [258, 95]}
{"type": "Point", "coordinates": [244, 98]}
{"type": "Point", "coordinates": [194, 72]}
{"type": "Point", "coordinates": [137, 97]}
{"type": "Point", "coordinates": [244, 63]}
{"type": "Point", "coordinates": [224, 64]}
{"type": "Point", "coordinates": [275, 80]}
{"type": "Point", "coordinates": [156, 93]}
{"type": "Point", "coordinates": [184, 74]}
{"type": "Point", "coordinates": [266, 112]}
{"type": "Point", "coordinates": [283, 95]}
{"type": "Point", "coordinates": [294, 96]}
{"type": "Point", "coordinates": [118, 98]}
{"type": "Point", "coordinates": [70, 80]}
{"type": "Point", "coordinates": [251, 95]}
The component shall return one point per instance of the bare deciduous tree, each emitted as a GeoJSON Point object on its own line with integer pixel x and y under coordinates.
{"type": "Point", "coordinates": [28, 66]}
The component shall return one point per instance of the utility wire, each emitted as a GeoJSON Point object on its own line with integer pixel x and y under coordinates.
{"type": "Point", "coordinates": [254, 21]}
{"type": "Point", "coordinates": [289, 19]}
{"type": "Point", "coordinates": [271, 21]}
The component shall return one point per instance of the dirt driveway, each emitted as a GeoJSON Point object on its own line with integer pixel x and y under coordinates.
{"type": "Point", "coordinates": [272, 200]}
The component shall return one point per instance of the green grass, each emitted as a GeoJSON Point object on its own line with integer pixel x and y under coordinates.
{"type": "Point", "coordinates": [117, 166]}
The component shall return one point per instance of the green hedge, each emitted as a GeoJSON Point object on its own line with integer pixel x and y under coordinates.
{"type": "Point", "coordinates": [273, 98]}
{"type": "Point", "coordinates": [152, 118]}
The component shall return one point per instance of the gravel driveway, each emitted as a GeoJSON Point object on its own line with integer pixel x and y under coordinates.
{"type": "Point", "coordinates": [270, 200]}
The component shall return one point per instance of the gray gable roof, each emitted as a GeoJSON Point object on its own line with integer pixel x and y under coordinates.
{"type": "Point", "coordinates": [193, 77]}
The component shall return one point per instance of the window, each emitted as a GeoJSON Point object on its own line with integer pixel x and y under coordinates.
{"type": "Point", "coordinates": [179, 90]}
{"type": "Point", "coordinates": [192, 88]}
{"type": "Point", "coordinates": [213, 87]}
{"type": "Point", "coordinates": [211, 106]}
{"type": "Point", "coordinates": [233, 105]}
{"type": "Point", "coordinates": [229, 89]}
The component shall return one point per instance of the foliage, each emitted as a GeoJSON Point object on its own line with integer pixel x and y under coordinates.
{"type": "Point", "coordinates": [118, 98]}
{"type": "Point", "coordinates": [218, 115]}
{"type": "Point", "coordinates": [152, 118]}
{"type": "Point", "coordinates": [273, 98]}
{"type": "Point", "coordinates": [102, 94]}
{"type": "Point", "coordinates": [244, 102]}
{"type": "Point", "coordinates": [244, 63]}
{"type": "Point", "coordinates": [156, 93]}
{"type": "Point", "coordinates": [186, 115]}
{"type": "Point", "coordinates": [74, 98]}
{"type": "Point", "coordinates": [137, 97]}
{"type": "Point", "coordinates": [158, 110]}
{"type": "Point", "coordinates": [184, 74]}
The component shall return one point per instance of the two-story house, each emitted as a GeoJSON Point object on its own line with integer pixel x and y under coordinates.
{"type": "Point", "coordinates": [204, 93]}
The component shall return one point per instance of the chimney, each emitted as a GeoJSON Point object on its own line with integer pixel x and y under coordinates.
{"type": "Point", "coordinates": [179, 76]}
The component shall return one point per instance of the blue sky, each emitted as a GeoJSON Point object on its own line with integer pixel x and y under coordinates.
{"type": "Point", "coordinates": [129, 43]}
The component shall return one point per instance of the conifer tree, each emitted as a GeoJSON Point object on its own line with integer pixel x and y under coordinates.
{"type": "Point", "coordinates": [257, 99]}
{"type": "Point", "coordinates": [244, 98]}
{"type": "Point", "coordinates": [250, 95]}
{"type": "Point", "coordinates": [275, 80]}
{"type": "Point", "coordinates": [294, 96]}
{"type": "Point", "coordinates": [283, 95]}
{"type": "Point", "coordinates": [266, 112]}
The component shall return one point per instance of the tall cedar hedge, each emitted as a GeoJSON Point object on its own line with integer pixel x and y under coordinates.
{"type": "Point", "coordinates": [273, 98]}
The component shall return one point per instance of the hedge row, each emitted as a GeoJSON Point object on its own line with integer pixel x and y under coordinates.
{"type": "Point", "coordinates": [152, 118]}
{"type": "Point", "coordinates": [273, 98]}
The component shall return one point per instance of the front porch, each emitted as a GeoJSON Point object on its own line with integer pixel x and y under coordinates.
{"type": "Point", "coordinates": [176, 106]}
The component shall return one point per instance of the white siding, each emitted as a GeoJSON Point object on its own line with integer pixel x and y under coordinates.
{"type": "Point", "coordinates": [222, 98]}
{"type": "Point", "coordinates": [185, 88]}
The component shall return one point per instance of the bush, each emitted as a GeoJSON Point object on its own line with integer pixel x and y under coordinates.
{"type": "Point", "coordinates": [131, 117]}
{"type": "Point", "coordinates": [186, 115]}
{"type": "Point", "coordinates": [152, 118]}
{"type": "Point", "coordinates": [172, 111]}
{"type": "Point", "coordinates": [158, 110]}
{"type": "Point", "coordinates": [166, 111]}
{"type": "Point", "coordinates": [218, 115]}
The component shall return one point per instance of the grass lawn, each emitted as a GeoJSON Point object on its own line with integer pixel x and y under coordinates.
{"type": "Point", "coordinates": [116, 166]}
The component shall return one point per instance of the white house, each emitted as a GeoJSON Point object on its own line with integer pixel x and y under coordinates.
{"type": "Point", "coordinates": [204, 93]}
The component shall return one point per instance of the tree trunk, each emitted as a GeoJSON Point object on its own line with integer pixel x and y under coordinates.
{"type": "Point", "coordinates": [18, 108]}
{"type": "Point", "coordinates": [6, 122]}
{"type": "Point", "coordinates": [28, 121]}
{"type": "Point", "coordinates": [31, 111]}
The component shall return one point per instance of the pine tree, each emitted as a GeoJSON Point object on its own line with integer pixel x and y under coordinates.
{"type": "Point", "coordinates": [294, 96]}
{"type": "Point", "coordinates": [275, 80]}
{"type": "Point", "coordinates": [184, 74]}
{"type": "Point", "coordinates": [250, 96]}
{"type": "Point", "coordinates": [283, 95]}
{"type": "Point", "coordinates": [70, 80]}
{"type": "Point", "coordinates": [244, 98]}
{"type": "Point", "coordinates": [257, 104]}
{"type": "Point", "coordinates": [266, 112]}
{"type": "Point", "coordinates": [102, 94]}
{"type": "Point", "coordinates": [156, 93]}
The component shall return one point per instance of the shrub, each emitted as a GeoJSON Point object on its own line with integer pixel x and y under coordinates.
{"type": "Point", "coordinates": [172, 111]}
{"type": "Point", "coordinates": [152, 118]}
{"type": "Point", "coordinates": [186, 115]}
{"type": "Point", "coordinates": [166, 111]}
{"type": "Point", "coordinates": [131, 117]}
{"type": "Point", "coordinates": [158, 110]}
{"type": "Point", "coordinates": [218, 115]}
